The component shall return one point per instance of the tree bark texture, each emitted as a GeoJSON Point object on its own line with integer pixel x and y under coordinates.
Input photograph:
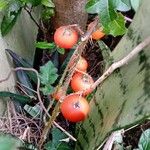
{"type": "Point", "coordinates": [70, 12]}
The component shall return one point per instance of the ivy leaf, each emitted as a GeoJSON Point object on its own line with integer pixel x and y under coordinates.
{"type": "Point", "coordinates": [48, 3]}
{"type": "Point", "coordinates": [144, 142]}
{"type": "Point", "coordinates": [116, 27]}
{"type": "Point", "coordinates": [47, 89]}
{"type": "Point", "coordinates": [3, 4]}
{"type": "Point", "coordinates": [56, 144]}
{"type": "Point", "coordinates": [48, 73]}
{"type": "Point", "coordinates": [10, 17]}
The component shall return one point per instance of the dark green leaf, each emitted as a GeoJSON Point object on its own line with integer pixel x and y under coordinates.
{"type": "Point", "coordinates": [45, 45]}
{"type": "Point", "coordinates": [34, 111]}
{"type": "Point", "coordinates": [56, 144]}
{"type": "Point", "coordinates": [48, 3]}
{"type": "Point", "coordinates": [135, 4]}
{"type": "Point", "coordinates": [10, 17]}
{"type": "Point", "coordinates": [32, 2]}
{"type": "Point", "coordinates": [3, 4]}
{"type": "Point", "coordinates": [61, 50]}
{"type": "Point", "coordinates": [16, 97]}
{"type": "Point", "coordinates": [8, 142]}
{"type": "Point", "coordinates": [48, 73]}
{"type": "Point", "coordinates": [20, 62]}
{"type": "Point", "coordinates": [47, 89]}
{"type": "Point", "coordinates": [144, 142]}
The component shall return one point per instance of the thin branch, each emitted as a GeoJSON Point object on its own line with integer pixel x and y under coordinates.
{"type": "Point", "coordinates": [122, 62]}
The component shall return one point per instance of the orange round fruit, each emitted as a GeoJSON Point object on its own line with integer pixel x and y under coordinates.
{"type": "Point", "coordinates": [98, 34]}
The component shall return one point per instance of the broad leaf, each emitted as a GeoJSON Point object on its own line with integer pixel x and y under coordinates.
{"type": "Point", "coordinates": [10, 17]}
{"type": "Point", "coordinates": [48, 3]}
{"type": "Point", "coordinates": [47, 89]}
{"type": "Point", "coordinates": [48, 73]}
{"type": "Point", "coordinates": [16, 97]}
{"type": "Point", "coordinates": [144, 142]}
{"type": "Point", "coordinates": [56, 144]}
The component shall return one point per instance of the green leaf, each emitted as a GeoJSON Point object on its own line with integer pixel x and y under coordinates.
{"type": "Point", "coordinates": [45, 45]}
{"type": "Point", "coordinates": [144, 142]}
{"type": "Point", "coordinates": [3, 4]}
{"type": "Point", "coordinates": [47, 89]}
{"type": "Point", "coordinates": [8, 142]}
{"type": "Point", "coordinates": [47, 13]}
{"type": "Point", "coordinates": [10, 17]}
{"type": "Point", "coordinates": [116, 27]}
{"type": "Point", "coordinates": [32, 2]}
{"type": "Point", "coordinates": [34, 111]}
{"type": "Point", "coordinates": [56, 144]}
{"type": "Point", "coordinates": [48, 3]}
{"type": "Point", "coordinates": [16, 97]}
{"type": "Point", "coordinates": [135, 4]}
{"type": "Point", "coordinates": [61, 50]}
{"type": "Point", "coordinates": [122, 5]}
{"type": "Point", "coordinates": [48, 73]}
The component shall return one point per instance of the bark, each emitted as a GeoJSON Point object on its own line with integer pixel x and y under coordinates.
{"type": "Point", "coordinates": [70, 12]}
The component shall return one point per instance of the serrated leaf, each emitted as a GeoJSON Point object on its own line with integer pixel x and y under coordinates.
{"type": "Point", "coordinates": [34, 111]}
{"type": "Point", "coordinates": [144, 142]}
{"type": "Point", "coordinates": [48, 73]}
{"type": "Point", "coordinates": [135, 4]}
{"type": "Point", "coordinates": [116, 27]}
{"type": "Point", "coordinates": [47, 89]}
{"type": "Point", "coordinates": [56, 144]}
{"type": "Point", "coordinates": [3, 4]}
{"type": "Point", "coordinates": [16, 97]}
{"type": "Point", "coordinates": [61, 50]}
{"type": "Point", "coordinates": [10, 17]}
{"type": "Point", "coordinates": [45, 45]}
{"type": "Point", "coordinates": [48, 3]}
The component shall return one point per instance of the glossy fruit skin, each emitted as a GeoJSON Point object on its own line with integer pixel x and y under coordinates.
{"type": "Point", "coordinates": [81, 82]}
{"type": "Point", "coordinates": [75, 108]}
{"type": "Point", "coordinates": [59, 94]}
{"type": "Point", "coordinates": [82, 64]}
{"type": "Point", "coordinates": [98, 34]}
{"type": "Point", "coordinates": [65, 37]}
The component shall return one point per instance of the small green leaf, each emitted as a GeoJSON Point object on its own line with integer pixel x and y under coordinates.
{"type": "Point", "coordinates": [47, 89]}
{"type": "Point", "coordinates": [45, 45]}
{"type": "Point", "coordinates": [56, 144]}
{"type": "Point", "coordinates": [10, 17]}
{"type": "Point", "coordinates": [48, 73]}
{"type": "Point", "coordinates": [48, 3]}
{"type": "Point", "coordinates": [34, 111]}
{"type": "Point", "coordinates": [144, 142]}
{"type": "Point", "coordinates": [61, 50]}
{"type": "Point", "coordinates": [32, 2]}
{"type": "Point", "coordinates": [3, 4]}
{"type": "Point", "coordinates": [135, 4]}
{"type": "Point", "coordinates": [16, 97]}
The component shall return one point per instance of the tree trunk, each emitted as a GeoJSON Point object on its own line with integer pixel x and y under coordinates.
{"type": "Point", "coordinates": [70, 12]}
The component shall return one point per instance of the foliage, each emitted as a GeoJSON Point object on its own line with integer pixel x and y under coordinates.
{"type": "Point", "coordinates": [57, 141]}
{"type": "Point", "coordinates": [48, 75]}
{"type": "Point", "coordinates": [111, 20]}
{"type": "Point", "coordinates": [49, 46]}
